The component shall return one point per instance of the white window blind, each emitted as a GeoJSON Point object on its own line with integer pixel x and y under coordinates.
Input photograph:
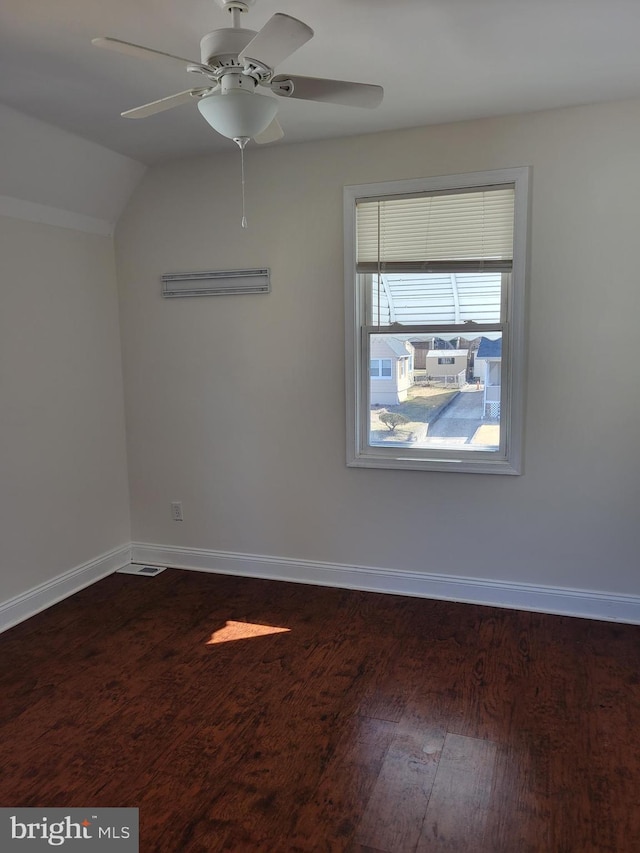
{"type": "Point", "coordinates": [457, 230]}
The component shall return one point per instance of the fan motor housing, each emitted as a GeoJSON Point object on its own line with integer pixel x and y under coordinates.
{"type": "Point", "coordinates": [220, 48]}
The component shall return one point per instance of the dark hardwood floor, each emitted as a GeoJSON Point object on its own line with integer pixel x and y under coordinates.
{"type": "Point", "coordinates": [372, 723]}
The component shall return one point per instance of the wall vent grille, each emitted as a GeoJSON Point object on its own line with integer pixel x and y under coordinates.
{"type": "Point", "coordinates": [216, 283]}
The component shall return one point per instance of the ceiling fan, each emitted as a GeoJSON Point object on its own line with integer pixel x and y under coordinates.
{"type": "Point", "coordinates": [234, 62]}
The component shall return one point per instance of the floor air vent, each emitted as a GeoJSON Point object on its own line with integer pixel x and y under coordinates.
{"type": "Point", "coordinates": [147, 571]}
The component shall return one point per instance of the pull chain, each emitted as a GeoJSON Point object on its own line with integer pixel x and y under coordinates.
{"type": "Point", "coordinates": [241, 141]}
{"type": "Point", "coordinates": [244, 218]}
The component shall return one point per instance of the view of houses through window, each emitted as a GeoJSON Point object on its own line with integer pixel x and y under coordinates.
{"type": "Point", "coordinates": [425, 399]}
{"type": "Point", "coordinates": [438, 389]}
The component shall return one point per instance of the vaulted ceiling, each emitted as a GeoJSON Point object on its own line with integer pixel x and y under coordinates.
{"type": "Point", "coordinates": [438, 60]}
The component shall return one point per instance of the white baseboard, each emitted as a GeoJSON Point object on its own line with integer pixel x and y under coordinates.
{"type": "Point", "coordinates": [611, 607]}
{"type": "Point", "coordinates": [29, 603]}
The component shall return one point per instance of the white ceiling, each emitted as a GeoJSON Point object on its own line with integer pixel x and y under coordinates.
{"type": "Point", "coordinates": [438, 60]}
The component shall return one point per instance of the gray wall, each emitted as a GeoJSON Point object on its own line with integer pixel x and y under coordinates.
{"type": "Point", "coordinates": [62, 459]}
{"type": "Point", "coordinates": [235, 405]}
{"type": "Point", "coordinates": [63, 479]}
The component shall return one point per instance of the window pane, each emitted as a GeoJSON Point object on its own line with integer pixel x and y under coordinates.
{"type": "Point", "coordinates": [414, 299]}
{"type": "Point", "coordinates": [375, 368]}
{"type": "Point", "coordinates": [451, 398]}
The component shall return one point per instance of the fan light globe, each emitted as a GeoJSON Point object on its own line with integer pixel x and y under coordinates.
{"type": "Point", "coordinates": [238, 113]}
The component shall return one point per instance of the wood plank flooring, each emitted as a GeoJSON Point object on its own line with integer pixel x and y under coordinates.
{"type": "Point", "coordinates": [372, 724]}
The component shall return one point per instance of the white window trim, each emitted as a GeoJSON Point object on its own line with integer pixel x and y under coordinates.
{"type": "Point", "coordinates": [359, 453]}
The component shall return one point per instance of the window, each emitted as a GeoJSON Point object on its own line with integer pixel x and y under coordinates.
{"type": "Point", "coordinates": [435, 276]}
{"type": "Point", "coordinates": [380, 368]}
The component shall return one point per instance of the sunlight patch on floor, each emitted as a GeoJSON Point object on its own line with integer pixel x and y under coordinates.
{"type": "Point", "coordinates": [243, 631]}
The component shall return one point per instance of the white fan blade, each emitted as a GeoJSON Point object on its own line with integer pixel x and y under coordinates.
{"type": "Point", "coordinates": [329, 91]}
{"type": "Point", "coordinates": [167, 103]}
{"type": "Point", "coordinates": [278, 39]}
{"type": "Point", "coordinates": [141, 52]}
{"type": "Point", "coordinates": [272, 134]}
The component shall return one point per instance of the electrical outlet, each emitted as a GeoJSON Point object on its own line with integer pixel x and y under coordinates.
{"type": "Point", "coordinates": [176, 511]}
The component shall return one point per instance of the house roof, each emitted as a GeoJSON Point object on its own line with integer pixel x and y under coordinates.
{"type": "Point", "coordinates": [489, 349]}
{"type": "Point", "coordinates": [447, 353]}
{"type": "Point", "coordinates": [397, 346]}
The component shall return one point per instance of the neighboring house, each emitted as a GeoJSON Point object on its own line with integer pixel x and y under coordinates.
{"type": "Point", "coordinates": [422, 347]}
{"type": "Point", "coordinates": [488, 368]}
{"type": "Point", "coordinates": [390, 370]}
{"type": "Point", "coordinates": [445, 363]}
